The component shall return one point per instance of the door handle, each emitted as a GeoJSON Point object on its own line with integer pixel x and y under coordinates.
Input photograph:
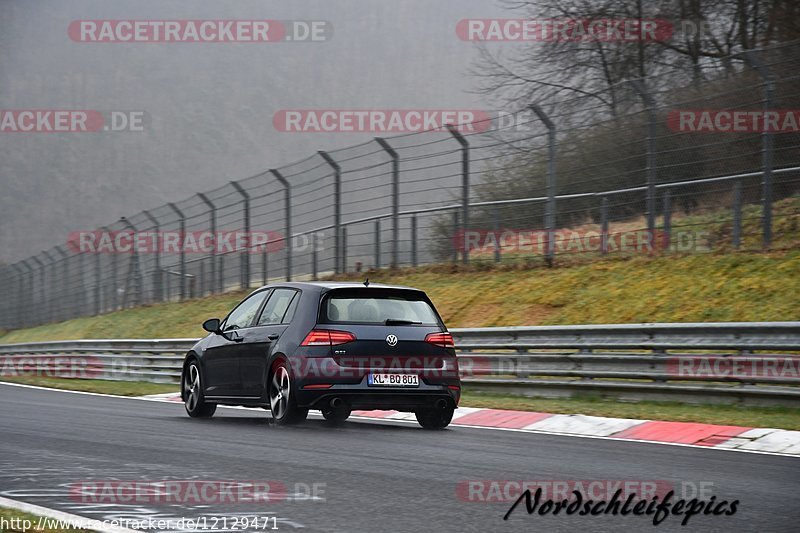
{"type": "Point", "coordinates": [273, 336]}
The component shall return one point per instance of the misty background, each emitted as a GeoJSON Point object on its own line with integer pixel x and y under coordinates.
{"type": "Point", "coordinates": [208, 106]}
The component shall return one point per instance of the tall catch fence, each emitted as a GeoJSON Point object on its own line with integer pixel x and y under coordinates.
{"type": "Point", "coordinates": [638, 169]}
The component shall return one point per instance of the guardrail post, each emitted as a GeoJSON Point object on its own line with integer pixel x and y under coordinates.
{"type": "Point", "coordinates": [287, 207]}
{"type": "Point", "coordinates": [604, 225]}
{"type": "Point", "coordinates": [550, 208]}
{"type": "Point", "coordinates": [667, 220]}
{"type": "Point", "coordinates": [212, 221]}
{"type": "Point", "coordinates": [737, 214]}
{"type": "Point", "coordinates": [395, 199]}
{"type": "Point", "coordinates": [464, 185]}
{"type": "Point", "coordinates": [244, 256]}
{"type": "Point", "coordinates": [766, 146]}
{"type": "Point", "coordinates": [414, 240]}
{"type": "Point", "coordinates": [337, 210]}
{"type": "Point", "coordinates": [182, 256]}
{"type": "Point", "coordinates": [377, 243]}
{"type": "Point", "coordinates": [157, 274]}
{"type": "Point", "coordinates": [650, 202]}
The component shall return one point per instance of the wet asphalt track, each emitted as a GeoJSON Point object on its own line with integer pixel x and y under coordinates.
{"type": "Point", "coordinates": [377, 476]}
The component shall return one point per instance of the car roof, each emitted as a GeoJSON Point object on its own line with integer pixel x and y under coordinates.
{"type": "Point", "coordinates": [324, 286]}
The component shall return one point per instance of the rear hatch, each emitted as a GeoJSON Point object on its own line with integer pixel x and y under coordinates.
{"type": "Point", "coordinates": [395, 329]}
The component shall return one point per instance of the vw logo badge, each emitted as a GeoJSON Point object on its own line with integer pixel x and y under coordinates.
{"type": "Point", "coordinates": [391, 340]}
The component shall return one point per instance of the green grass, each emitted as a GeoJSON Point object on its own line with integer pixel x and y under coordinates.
{"type": "Point", "coordinates": [120, 388]}
{"type": "Point", "coordinates": [8, 514]}
{"type": "Point", "coordinates": [712, 287]}
{"type": "Point", "coordinates": [776, 417]}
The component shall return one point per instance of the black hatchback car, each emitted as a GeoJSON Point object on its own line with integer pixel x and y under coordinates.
{"type": "Point", "coordinates": [334, 347]}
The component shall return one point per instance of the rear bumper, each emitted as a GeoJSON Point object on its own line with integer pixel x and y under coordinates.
{"type": "Point", "coordinates": [362, 396]}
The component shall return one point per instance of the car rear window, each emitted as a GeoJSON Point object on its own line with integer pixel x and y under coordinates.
{"type": "Point", "coordinates": [374, 306]}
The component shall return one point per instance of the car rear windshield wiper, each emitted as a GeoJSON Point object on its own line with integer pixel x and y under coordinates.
{"type": "Point", "coordinates": [400, 322]}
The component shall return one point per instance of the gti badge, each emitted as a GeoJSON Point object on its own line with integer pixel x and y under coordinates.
{"type": "Point", "coordinates": [391, 340]}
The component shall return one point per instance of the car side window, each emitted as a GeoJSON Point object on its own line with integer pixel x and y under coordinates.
{"type": "Point", "coordinates": [242, 316]}
{"type": "Point", "coordinates": [276, 307]}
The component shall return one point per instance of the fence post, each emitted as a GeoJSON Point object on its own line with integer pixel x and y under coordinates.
{"type": "Point", "coordinates": [212, 221]}
{"type": "Point", "coordinates": [28, 295]}
{"type": "Point", "coordinates": [134, 274]}
{"type": "Point", "coordinates": [604, 225]}
{"type": "Point", "coordinates": [98, 286]}
{"type": "Point", "coordinates": [182, 256]}
{"type": "Point", "coordinates": [667, 219]}
{"type": "Point", "coordinates": [337, 210]}
{"type": "Point", "coordinates": [395, 199]}
{"type": "Point", "coordinates": [496, 228]}
{"type": "Point", "coordinates": [244, 256]}
{"type": "Point", "coordinates": [287, 191]}
{"type": "Point", "coordinates": [264, 265]}
{"type": "Point", "coordinates": [766, 147]}
{"type": "Point", "coordinates": [157, 274]}
{"type": "Point", "coordinates": [456, 225]}
{"type": "Point", "coordinates": [640, 87]}
{"type": "Point", "coordinates": [41, 284]}
{"type": "Point", "coordinates": [48, 295]}
{"type": "Point", "coordinates": [377, 243]}
{"type": "Point", "coordinates": [464, 186]}
{"type": "Point", "coordinates": [314, 257]}
{"type": "Point", "coordinates": [550, 208]}
{"type": "Point", "coordinates": [414, 240]}
{"type": "Point", "coordinates": [65, 297]}
{"type": "Point", "coordinates": [19, 300]}
{"type": "Point", "coordinates": [737, 214]}
{"type": "Point", "coordinates": [344, 249]}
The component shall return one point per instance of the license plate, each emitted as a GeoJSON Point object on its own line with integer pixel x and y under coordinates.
{"type": "Point", "coordinates": [393, 380]}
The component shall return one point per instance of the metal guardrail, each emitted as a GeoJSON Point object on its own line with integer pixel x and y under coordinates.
{"type": "Point", "coordinates": [695, 363]}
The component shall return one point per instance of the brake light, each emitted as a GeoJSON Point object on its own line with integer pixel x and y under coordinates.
{"type": "Point", "coordinates": [325, 337]}
{"type": "Point", "coordinates": [444, 339]}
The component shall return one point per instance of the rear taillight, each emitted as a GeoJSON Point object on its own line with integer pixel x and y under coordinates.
{"type": "Point", "coordinates": [444, 339]}
{"type": "Point", "coordinates": [325, 337]}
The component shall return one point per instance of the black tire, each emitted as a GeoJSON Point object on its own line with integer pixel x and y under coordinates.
{"type": "Point", "coordinates": [282, 403]}
{"type": "Point", "coordinates": [336, 415]}
{"type": "Point", "coordinates": [433, 418]}
{"type": "Point", "coordinates": [192, 393]}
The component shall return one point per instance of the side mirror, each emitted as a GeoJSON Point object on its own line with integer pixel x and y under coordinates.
{"type": "Point", "coordinates": [212, 325]}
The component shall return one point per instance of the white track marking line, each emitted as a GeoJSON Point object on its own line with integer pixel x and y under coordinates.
{"type": "Point", "coordinates": [71, 519]}
{"type": "Point", "coordinates": [556, 433]}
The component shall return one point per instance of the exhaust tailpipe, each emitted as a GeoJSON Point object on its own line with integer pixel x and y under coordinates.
{"type": "Point", "coordinates": [441, 403]}
{"type": "Point", "coordinates": [336, 403]}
